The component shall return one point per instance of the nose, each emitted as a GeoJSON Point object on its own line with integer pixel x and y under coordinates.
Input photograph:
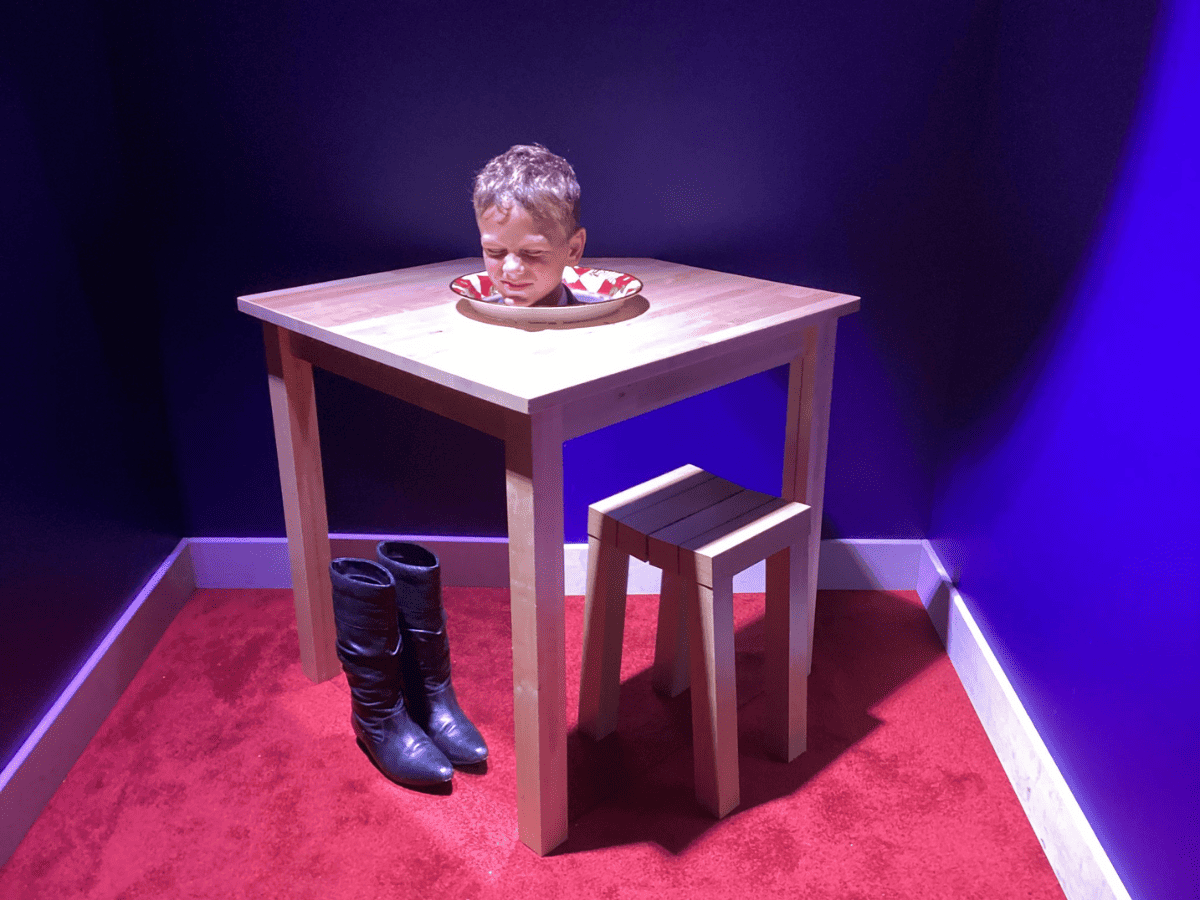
{"type": "Point", "coordinates": [512, 264]}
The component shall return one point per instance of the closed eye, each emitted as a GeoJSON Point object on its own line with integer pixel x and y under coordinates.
{"type": "Point", "coordinates": [500, 253]}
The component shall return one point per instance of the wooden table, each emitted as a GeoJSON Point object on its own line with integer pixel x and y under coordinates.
{"type": "Point", "coordinates": [534, 387]}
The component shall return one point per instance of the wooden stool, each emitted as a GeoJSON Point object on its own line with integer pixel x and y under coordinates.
{"type": "Point", "coordinates": [700, 530]}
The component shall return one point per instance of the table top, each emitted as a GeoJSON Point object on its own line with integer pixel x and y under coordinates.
{"type": "Point", "coordinates": [685, 319]}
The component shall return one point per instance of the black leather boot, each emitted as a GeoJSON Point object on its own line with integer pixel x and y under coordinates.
{"type": "Point", "coordinates": [369, 646]}
{"type": "Point", "coordinates": [429, 690]}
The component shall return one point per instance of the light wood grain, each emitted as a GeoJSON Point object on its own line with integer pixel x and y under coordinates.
{"type": "Point", "coordinates": [444, 401]}
{"type": "Point", "coordinates": [714, 697]}
{"type": "Point", "coordinates": [298, 446]}
{"type": "Point", "coordinates": [806, 442]}
{"type": "Point", "coordinates": [533, 462]}
{"type": "Point", "coordinates": [642, 495]}
{"type": "Point", "coordinates": [636, 526]}
{"type": "Point", "coordinates": [740, 543]}
{"type": "Point", "coordinates": [664, 543]}
{"type": "Point", "coordinates": [699, 323]}
{"type": "Point", "coordinates": [603, 634]}
{"type": "Point", "coordinates": [670, 674]}
{"type": "Point", "coordinates": [788, 652]}
{"type": "Point", "coordinates": [701, 531]}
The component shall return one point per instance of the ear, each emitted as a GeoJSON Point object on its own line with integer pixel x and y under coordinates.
{"type": "Point", "coordinates": [575, 246]}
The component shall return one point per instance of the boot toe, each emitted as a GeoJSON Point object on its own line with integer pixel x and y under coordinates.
{"type": "Point", "coordinates": [461, 742]}
{"type": "Point", "coordinates": [405, 754]}
{"type": "Point", "coordinates": [419, 768]}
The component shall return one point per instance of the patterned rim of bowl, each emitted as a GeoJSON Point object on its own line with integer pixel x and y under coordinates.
{"type": "Point", "coordinates": [587, 283]}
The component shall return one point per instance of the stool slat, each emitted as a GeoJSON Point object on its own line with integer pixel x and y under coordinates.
{"type": "Point", "coordinates": [645, 494]}
{"type": "Point", "coordinates": [663, 545]}
{"type": "Point", "coordinates": [634, 527]}
{"type": "Point", "coordinates": [728, 553]}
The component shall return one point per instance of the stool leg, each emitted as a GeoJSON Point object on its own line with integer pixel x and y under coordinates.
{"type": "Point", "coordinates": [670, 676]}
{"type": "Point", "coordinates": [714, 695]}
{"type": "Point", "coordinates": [603, 632]}
{"type": "Point", "coordinates": [788, 652]}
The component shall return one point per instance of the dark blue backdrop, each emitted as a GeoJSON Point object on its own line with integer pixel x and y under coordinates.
{"type": "Point", "coordinates": [89, 501]}
{"type": "Point", "coordinates": [974, 171]}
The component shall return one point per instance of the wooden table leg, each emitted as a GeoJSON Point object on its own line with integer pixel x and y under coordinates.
{"type": "Point", "coordinates": [294, 410]}
{"type": "Point", "coordinates": [534, 481]}
{"type": "Point", "coordinates": [810, 391]}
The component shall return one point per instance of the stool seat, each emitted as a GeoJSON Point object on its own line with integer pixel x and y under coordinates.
{"type": "Point", "coordinates": [700, 530]}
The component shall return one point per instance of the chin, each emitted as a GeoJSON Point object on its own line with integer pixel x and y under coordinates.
{"type": "Point", "coordinates": [530, 301]}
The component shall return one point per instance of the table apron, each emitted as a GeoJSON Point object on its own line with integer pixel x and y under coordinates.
{"type": "Point", "coordinates": [460, 407]}
{"type": "Point", "coordinates": [628, 399]}
{"type": "Point", "coordinates": [582, 415]}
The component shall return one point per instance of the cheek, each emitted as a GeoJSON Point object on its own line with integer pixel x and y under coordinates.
{"type": "Point", "coordinates": [492, 268]}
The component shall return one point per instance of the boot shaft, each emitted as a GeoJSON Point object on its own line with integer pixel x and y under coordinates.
{"type": "Point", "coordinates": [426, 656]}
{"type": "Point", "coordinates": [430, 655]}
{"type": "Point", "coordinates": [369, 644]}
{"type": "Point", "coordinates": [368, 636]}
{"type": "Point", "coordinates": [418, 578]}
{"type": "Point", "coordinates": [364, 606]}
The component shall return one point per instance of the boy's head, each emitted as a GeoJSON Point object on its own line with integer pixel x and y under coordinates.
{"type": "Point", "coordinates": [527, 208]}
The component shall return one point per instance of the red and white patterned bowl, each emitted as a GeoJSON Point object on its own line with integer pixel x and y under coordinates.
{"type": "Point", "coordinates": [597, 292]}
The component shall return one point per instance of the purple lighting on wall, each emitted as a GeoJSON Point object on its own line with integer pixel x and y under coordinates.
{"type": "Point", "coordinates": [1070, 516]}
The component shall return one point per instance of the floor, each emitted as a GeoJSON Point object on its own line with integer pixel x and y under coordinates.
{"type": "Point", "coordinates": [224, 772]}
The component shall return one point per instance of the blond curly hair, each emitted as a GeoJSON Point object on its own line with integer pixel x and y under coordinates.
{"type": "Point", "coordinates": [532, 177]}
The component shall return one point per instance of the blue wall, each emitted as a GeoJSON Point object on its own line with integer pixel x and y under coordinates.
{"type": "Point", "coordinates": [88, 496]}
{"type": "Point", "coordinates": [312, 141]}
{"type": "Point", "coordinates": [1068, 509]}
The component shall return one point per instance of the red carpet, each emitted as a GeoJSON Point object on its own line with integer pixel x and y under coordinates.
{"type": "Point", "coordinates": [223, 772]}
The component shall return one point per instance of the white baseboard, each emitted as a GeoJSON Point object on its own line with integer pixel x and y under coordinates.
{"type": "Point", "coordinates": [32, 776]}
{"type": "Point", "coordinates": [263, 562]}
{"type": "Point", "coordinates": [483, 562]}
{"type": "Point", "coordinates": [1078, 859]}
{"type": "Point", "coordinates": [888, 565]}
{"type": "Point", "coordinates": [1083, 868]}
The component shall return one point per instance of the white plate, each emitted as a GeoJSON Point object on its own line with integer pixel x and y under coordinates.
{"type": "Point", "coordinates": [595, 292]}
